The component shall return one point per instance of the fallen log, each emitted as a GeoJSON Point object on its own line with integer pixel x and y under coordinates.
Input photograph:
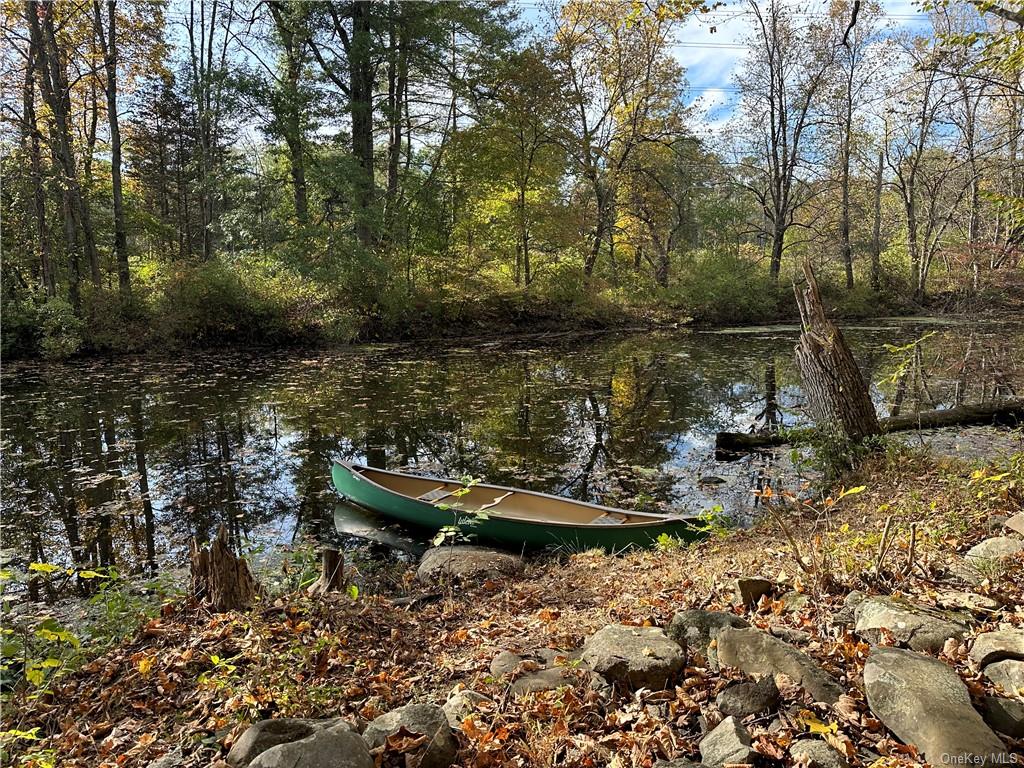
{"type": "Point", "coordinates": [1007, 413]}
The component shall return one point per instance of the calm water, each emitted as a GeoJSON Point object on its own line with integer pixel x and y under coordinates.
{"type": "Point", "coordinates": [124, 461]}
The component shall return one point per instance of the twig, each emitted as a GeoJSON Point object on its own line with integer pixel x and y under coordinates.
{"type": "Point", "coordinates": [912, 549]}
{"type": "Point", "coordinates": [789, 537]}
{"type": "Point", "coordinates": [883, 545]}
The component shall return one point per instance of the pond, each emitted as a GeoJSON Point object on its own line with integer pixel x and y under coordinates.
{"type": "Point", "coordinates": [124, 461]}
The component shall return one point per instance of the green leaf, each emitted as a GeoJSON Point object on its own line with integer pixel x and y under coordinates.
{"type": "Point", "coordinates": [353, 591]}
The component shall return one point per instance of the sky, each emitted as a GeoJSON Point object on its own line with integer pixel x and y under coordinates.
{"type": "Point", "coordinates": [712, 58]}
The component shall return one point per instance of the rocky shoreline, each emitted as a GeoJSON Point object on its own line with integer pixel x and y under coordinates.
{"type": "Point", "coordinates": [909, 689]}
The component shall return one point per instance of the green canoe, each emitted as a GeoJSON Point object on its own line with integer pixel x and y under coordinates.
{"type": "Point", "coordinates": [514, 517]}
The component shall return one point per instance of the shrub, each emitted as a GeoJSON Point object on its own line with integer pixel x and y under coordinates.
{"type": "Point", "coordinates": [724, 288]}
{"type": "Point", "coordinates": [61, 330]}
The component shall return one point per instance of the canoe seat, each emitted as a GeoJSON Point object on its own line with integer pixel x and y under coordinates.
{"type": "Point", "coordinates": [435, 494]}
{"type": "Point", "coordinates": [609, 518]}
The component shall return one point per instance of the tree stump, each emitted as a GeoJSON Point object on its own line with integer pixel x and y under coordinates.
{"type": "Point", "coordinates": [836, 393]}
{"type": "Point", "coordinates": [220, 577]}
{"type": "Point", "coordinates": [332, 570]}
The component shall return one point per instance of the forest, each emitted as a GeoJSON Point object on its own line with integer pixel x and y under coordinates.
{"type": "Point", "coordinates": [216, 172]}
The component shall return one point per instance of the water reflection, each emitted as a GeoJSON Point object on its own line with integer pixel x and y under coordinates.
{"type": "Point", "coordinates": [123, 462]}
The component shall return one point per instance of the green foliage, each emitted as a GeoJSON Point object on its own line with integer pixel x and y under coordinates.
{"type": "Point", "coordinates": [60, 329]}
{"type": "Point", "coordinates": [724, 287]}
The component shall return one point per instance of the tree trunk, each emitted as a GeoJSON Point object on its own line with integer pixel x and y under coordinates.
{"type": "Point", "coordinates": [1008, 413]}
{"type": "Point", "coordinates": [221, 578]}
{"type": "Point", "coordinates": [361, 108]}
{"type": "Point", "coordinates": [876, 232]}
{"type": "Point", "coordinates": [31, 138]}
{"type": "Point", "coordinates": [836, 394]}
{"type": "Point", "coordinates": [108, 44]}
{"type": "Point", "coordinates": [332, 573]}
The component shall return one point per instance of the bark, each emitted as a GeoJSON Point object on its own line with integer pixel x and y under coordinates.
{"type": "Point", "coordinates": [1008, 413]}
{"type": "Point", "coordinates": [361, 109]}
{"type": "Point", "coordinates": [876, 231]}
{"type": "Point", "coordinates": [108, 44]}
{"type": "Point", "coordinates": [54, 88]}
{"type": "Point", "coordinates": [32, 141]}
{"type": "Point", "coordinates": [837, 395]}
{"type": "Point", "coordinates": [290, 108]}
{"type": "Point", "coordinates": [221, 578]}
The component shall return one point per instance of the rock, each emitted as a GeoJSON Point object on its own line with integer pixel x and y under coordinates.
{"type": "Point", "coordinates": [744, 699]}
{"type": "Point", "coordinates": [1005, 715]}
{"type": "Point", "coordinates": [544, 680]}
{"type": "Point", "coordinates": [729, 742]}
{"type": "Point", "coordinates": [996, 548]}
{"type": "Point", "coordinates": [997, 646]}
{"type": "Point", "coordinates": [638, 657]}
{"type": "Point", "coordinates": [923, 629]}
{"type": "Point", "coordinates": [794, 602]}
{"type": "Point", "coordinates": [925, 703]}
{"type": "Point", "coordinates": [1008, 675]}
{"type": "Point", "coordinates": [968, 601]}
{"type": "Point", "coordinates": [461, 705]}
{"type": "Point", "coordinates": [1016, 523]}
{"type": "Point", "coordinates": [759, 654]}
{"type": "Point", "coordinates": [173, 759]}
{"type": "Point", "coordinates": [466, 562]}
{"type": "Point", "coordinates": [336, 747]}
{"type": "Point", "coordinates": [426, 719]}
{"type": "Point", "coordinates": [815, 753]}
{"type": "Point", "coordinates": [846, 615]}
{"type": "Point", "coordinates": [696, 629]}
{"type": "Point", "coordinates": [680, 762]}
{"type": "Point", "coordinates": [750, 589]}
{"type": "Point", "coordinates": [504, 663]}
{"type": "Point", "coordinates": [265, 734]}
{"type": "Point", "coordinates": [790, 635]}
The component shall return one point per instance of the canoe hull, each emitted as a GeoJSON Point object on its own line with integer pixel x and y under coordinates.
{"type": "Point", "coordinates": [509, 532]}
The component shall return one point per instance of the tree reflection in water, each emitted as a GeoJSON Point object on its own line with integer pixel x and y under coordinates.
{"type": "Point", "coordinates": [123, 462]}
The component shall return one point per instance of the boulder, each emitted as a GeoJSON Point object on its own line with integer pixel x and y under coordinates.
{"type": "Point", "coordinates": [749, 589]}
{"type": "Point", "coordinates": [794, 602]}
{"type": "Point", "coordinates": [696, 629]}
{"type": "Point", "coordinates": [1005, 715]}
{"type": "Point", "coordinates": [847, 614]}
{"type": "Point", "coordinates": [759, 654]}
{"type": "Point", "coordinates": [923, 629]}
{"type": "Point", "coordinates": [790, 635]}
{"type": "Point", "coordinates": [335, 747]}
{"type": "Point", "coordinates": [1016, 523]}
{"type": "Point", "coordinates": [466, 562]}
{"type": "Point", "coordinates": [925, 703]}
{"type": "Point", "coordinates": [265, 734]}
{"type": "Point", "coordinates": [173, 759]}
{"type": "Point", "coordinates": [543, 680]}
{"type": "Point", "coordinates": [997, 646]}
{"type": "Point", "coordinates": [504, 663]}
{"type": "Point", "coordinates": [729, 742]}
{"type": "Point", "coordinates": [426, 719]}
{"type": "Point", "coordinates": [462, 704]}
{"type": "Point", "coordinates": [968, 601]}
{"type": "Point", "coordinates": [996, 548]}
{"type": "Point", "coordinates": [742, 699]}
{"type": "Point", "coordinates": [815, 753]}
{"type": "Point", "coordinates": [1008, 675]}
{"type": "Point", "coordinates": [637, 657]}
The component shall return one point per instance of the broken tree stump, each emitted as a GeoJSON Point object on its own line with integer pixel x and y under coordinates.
{"type": "Point", "coordinates": [332, 572]}
{"type": "Point", "coordinates": [220, 577]}
{"type": "Point", "coordinates": [837, 395]}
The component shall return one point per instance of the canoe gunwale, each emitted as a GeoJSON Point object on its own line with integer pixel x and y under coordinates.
{"type": "Point", "coordinates": [654, 520]}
